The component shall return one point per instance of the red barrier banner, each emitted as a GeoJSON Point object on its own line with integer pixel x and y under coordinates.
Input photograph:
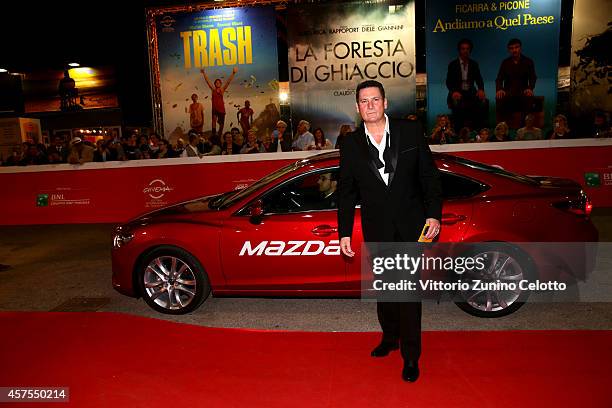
{"type": "Point", "coordinates": [115, 192]}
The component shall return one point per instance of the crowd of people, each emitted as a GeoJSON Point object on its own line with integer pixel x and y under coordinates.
{"type": "Point", "coordinates": [196, 144]}
{"type": "Point", "coordinates": [444, 132]}
{"type": "Point", "coordinates": [137, 146]}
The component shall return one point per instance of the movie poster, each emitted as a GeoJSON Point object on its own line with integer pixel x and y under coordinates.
{"type": "Point", "coordinates": [590, 75]}
{"type": "Point", "coordinates": [332, 48]}
{"type": "Point", "coordinates": [218, 66]}
{"type": "Point", "coordinates": [468, 91]}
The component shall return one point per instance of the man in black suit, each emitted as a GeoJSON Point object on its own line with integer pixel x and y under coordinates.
{"type": "Point", "coordinates": [388, 164]}
{"type": "Point", "coordinates": [466, 101]}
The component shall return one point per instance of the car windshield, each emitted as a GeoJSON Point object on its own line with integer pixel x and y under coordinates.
{"type": "Point", "coordinates": [496, 170]}
{"type": "Point", "coordinates": [227, 199]}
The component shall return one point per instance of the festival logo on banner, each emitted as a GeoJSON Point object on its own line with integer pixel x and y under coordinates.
{"type": "Point", "coordinates": [218, 70]}
{"type": "Point", "coordinates": [63, 196]}
{"type": "Point", "coordinates": [332, 48]}
{"type": "Point", "coordinates": [155, 193]}
{"type": "Point", "coordinates": [469, 88]}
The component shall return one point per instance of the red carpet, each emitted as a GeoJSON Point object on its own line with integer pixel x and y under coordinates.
{"type": "Point", "coordinates": [117, 360]}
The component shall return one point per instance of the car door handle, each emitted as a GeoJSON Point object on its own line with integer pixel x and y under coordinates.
{"type": "Point", "coordinates": [450, 218]}
{"type": "Point", "coordinates": [324, 230]}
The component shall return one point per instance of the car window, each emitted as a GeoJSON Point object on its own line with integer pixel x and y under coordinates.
{"type": "Point", "coordinates": [310, 192]}
{"type": "Point", "coordinates": [454, 186]}
{"type": "Point", "coordinates": [240, 194]}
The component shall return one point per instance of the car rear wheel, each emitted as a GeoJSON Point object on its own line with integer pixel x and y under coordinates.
{"type": "Point", "coordinates": [172, 281]}
{"type": "Point", "coordinates": [504, 264]}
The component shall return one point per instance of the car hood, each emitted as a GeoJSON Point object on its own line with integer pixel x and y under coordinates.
{"type": "Point", "coordinates": [181, 212]}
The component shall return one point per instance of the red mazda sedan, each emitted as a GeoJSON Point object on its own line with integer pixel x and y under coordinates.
{"type": "Point", "coordinates": [278, 237]}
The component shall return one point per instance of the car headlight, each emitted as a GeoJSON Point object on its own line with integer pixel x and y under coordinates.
{"type": "Point", "coordinates": [121, 237]}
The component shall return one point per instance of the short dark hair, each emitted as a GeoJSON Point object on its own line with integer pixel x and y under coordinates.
{"type": "Point", "coordinates": [515, 41]}
{"type": "Point", "coordinates": [465, 41]}
{"type": "Point", "coordinates": [369, 84]}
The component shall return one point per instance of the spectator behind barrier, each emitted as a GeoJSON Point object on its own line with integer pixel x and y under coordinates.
{"type": "Point", "coordinates": [344, 130]}
{"type": "Point", "coordinates": [281, 138]}
{"type": "Point", "coordinates": [252, 145]}
{"type": "Point", "coordinates": [601, 125]}
{"type": "Point", "coordinates": [320, 141]}
{"type": "Point", "coordinates": [304, 138]}
{"type": "Point", "coordinates": [228, 146]}
{"type": "Point", "coordinates": [483, 135]}
{"type": "Point", "coordinates": [80, 152]}
{"type": "Point", "coordinates": [529, 132]}
{"type": "Point", "coordinates": [442, 132]}
{"type": "Point", "coordinates": [500, 134]}
{"type": "Point", "coordinates": [237, 137]}
{"type": "Point", "coordinates": [560, 128]}
{"type": "Point", "coordinates": [102, 153]}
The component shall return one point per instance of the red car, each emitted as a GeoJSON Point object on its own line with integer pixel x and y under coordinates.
{"type": "Point", "coordinates": [278, 236]}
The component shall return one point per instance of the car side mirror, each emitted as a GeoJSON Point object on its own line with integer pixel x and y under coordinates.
{"type": "Point", "coordinates": [256, 212]}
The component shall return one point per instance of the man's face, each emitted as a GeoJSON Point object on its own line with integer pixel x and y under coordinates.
{"type": "Point", "coordinates": [371, 105]}
{"type": "Point", "coordinates": [464, 51]}
{"type": "Point", "coordinates": [326, 185]}
{"type": "Point", "coordinates": [57, 141]}
{"type": "Point", "coordinates": [238, 139]}
{"type": "Point", "coordinates": [194, 98]}
{"type": "Point", "coordinates": [301, 128]}
{"type": "Point", "coordinates": [514, 50]}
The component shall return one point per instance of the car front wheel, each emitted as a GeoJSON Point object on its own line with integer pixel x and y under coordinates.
{"type": "Point", "coordinates": [172, 281]}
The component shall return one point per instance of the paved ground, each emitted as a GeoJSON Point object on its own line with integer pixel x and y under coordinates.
{"type": "Point", "coordinates": [52, 264]}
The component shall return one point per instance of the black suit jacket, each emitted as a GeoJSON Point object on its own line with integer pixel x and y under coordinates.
{"type": "Point", "coordinates": [454, 78]}
{"type": "Point", "coordinates": [413, 194]}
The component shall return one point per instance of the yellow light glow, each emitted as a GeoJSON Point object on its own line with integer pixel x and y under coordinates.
{"type": "Point", "coordinates": [81, 73]}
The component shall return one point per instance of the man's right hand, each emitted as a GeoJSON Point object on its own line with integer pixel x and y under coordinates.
{"type": "Point", "coordinates": [345, 246]}
{"type": "Point", "coordinates": [456, 95]}
{"type": "Point", "coordinates": [500, 94]}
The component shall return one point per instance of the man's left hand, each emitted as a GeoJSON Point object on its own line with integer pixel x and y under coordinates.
{"type": "Point", "coordinates": [434, 228]}
{"type": "Point", "coordinates": [528, 92]}
{"type": "Point", "coordinates": [480, 94]}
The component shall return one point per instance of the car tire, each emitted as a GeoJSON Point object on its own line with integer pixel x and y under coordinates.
{"type": "Point", "coordinates": [172, 281]}
{"type": "Point", "coordinates": [493, 304]}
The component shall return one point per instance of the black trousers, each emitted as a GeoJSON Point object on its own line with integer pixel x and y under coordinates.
{"type": "Point", "coordinates": [401, 321]}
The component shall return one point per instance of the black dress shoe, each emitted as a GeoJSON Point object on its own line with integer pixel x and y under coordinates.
{"type": "Point", "coordinates": [410, 372]}
{"type": "Point", "coordinates": [383, 349]}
